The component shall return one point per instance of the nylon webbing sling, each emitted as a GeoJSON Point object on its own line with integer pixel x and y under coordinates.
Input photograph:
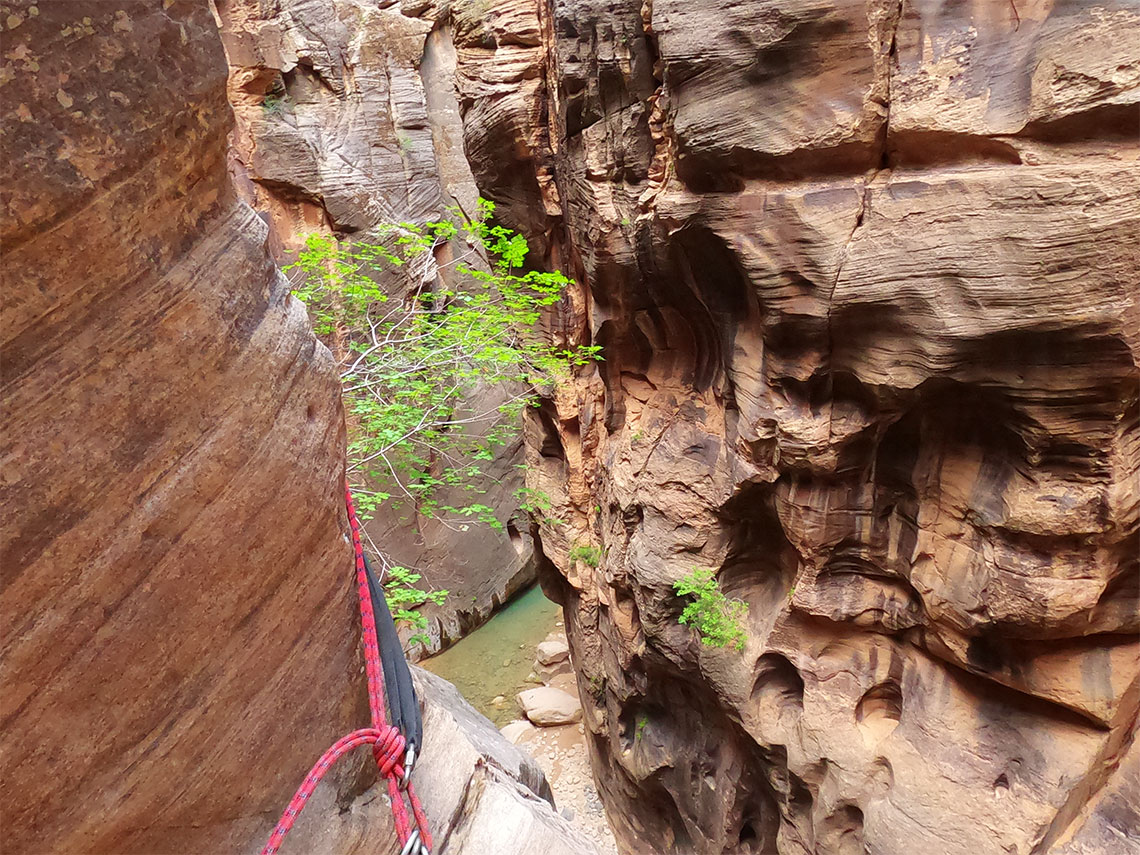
{"type": "Point", "coordinates": [394, 745]}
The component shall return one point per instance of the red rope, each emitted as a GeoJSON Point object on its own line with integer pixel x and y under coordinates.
{"type": "Point", "coordinates": [387, 742]}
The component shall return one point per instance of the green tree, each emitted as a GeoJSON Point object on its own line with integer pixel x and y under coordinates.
{"type": "Point", "coordinates": [410, 365]}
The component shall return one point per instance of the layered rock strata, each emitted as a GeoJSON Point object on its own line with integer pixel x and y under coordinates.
{"type": "Point", "coordinates": [866, 279]}
{"type": "Point", "coordinates": [175, 603]}
{"type": "Point", "coordinates": [346, 118]}
{"type": "Point", "coordinates": [179, 622]}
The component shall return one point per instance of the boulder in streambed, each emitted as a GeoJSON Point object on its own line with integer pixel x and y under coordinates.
{"type": "Point", "coordinates": [547, 706]}
{"type": "Point", "coordinates": [514, 731]}
{"type": "Point", "coordinates": [552, 651]}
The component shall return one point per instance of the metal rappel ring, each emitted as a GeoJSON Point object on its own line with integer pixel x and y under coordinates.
{"type": "Point", "coordinates": [409, 759]}
{"type": "Point", "coordinates": [412, 844]}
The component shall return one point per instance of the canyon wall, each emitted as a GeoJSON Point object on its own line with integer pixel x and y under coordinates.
{"type": "Point", "coordinates": [866, 276]}
{"type": "Point", "coordinates": [176, 600]}
{"type": "Point", "coordinates": [346, 117]}
{"type": "Point", "coordinates": [179, 621]}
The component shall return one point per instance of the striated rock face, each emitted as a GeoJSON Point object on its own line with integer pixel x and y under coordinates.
{"type": "Point", "coordinates": [866, 279]}
{"type": "Point", "coordinates": [179, 620]}
{"type": "Point", "coordinates": [180, 623]}
{"type": "Point", "coordinates": [347, 116]}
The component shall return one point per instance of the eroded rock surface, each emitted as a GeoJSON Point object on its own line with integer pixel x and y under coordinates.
{"type": "Point", "coordinates": [347, 117]}
{"type": "Point", "coordinates": [179, 629]}
{"type": "Point", "coordinates": [866, 279]}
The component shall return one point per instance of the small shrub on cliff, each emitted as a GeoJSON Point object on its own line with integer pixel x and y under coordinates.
{"type": "Point", "coordinates": [585, 553]}
{"type": "Point", "coordinates": [274, 104]}
{"type": "Point", "coordinates": [411, 367]}
{"type": "Point", "coordinates": [716, 618]}
{"type": "Point", "coordinates": [538, 504]}
{"type": "Point", "coordinates": [404, 597]}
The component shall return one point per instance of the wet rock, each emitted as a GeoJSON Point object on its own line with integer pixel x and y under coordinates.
{"type": "Point", "coordinates": [546, 706]}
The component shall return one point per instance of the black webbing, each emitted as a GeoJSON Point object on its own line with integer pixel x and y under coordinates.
{"type": "Point", "coordinates": [403, 708]}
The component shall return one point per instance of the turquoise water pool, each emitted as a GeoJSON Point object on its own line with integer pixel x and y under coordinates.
{"type": "Point", "coordinates": [496, 658]}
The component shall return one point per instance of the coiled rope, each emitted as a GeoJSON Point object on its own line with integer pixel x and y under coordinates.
{"type": "Point", "coordinates": [393, 752]}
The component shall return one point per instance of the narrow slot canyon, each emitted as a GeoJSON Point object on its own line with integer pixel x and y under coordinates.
{"type": "Point", "coordinates": [646, 427]}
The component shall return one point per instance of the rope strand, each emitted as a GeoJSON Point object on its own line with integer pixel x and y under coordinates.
{"type": "Point", "coordinates": [388, 744]}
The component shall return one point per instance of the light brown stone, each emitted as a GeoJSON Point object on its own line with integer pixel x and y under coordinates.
{"type": "Point", "coordinates": [551, 652]}
{"type": "Point", "coordinates": [547, 706]}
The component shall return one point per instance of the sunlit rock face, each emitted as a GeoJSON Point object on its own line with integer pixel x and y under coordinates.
{"type": "Point", "coordinates": [866, 279]}
{"type": "Point", "coordinates": [347, 117]}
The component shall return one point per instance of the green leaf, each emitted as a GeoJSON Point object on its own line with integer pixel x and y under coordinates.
{"type": "Point", "coordinates": [411, 367]}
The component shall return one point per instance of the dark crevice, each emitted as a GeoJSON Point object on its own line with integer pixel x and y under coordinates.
{"type": "Point", "coordinates": [664, 752]}
{"type": "Point", "coordinates": [1002, 697]}
{"type": "Point", "coordinates": [551, 444]}
{"type": "Point", "coordinates": [1100, 124]}
{"type": "Point", "coordinates": [936, 148]}
{"type": "Point", "coordinates": [892, 64]}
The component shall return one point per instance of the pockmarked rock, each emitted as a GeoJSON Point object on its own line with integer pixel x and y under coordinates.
{"type": "Point", "coordinates": [865, 280]}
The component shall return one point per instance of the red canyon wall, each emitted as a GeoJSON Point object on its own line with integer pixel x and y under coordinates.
{"type": "Point", "coordinates": [866, 279]}
{"type": "Point", "coordinates": [178, 626]}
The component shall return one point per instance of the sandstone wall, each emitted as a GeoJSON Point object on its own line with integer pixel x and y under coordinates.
{"type": "Point", "coordinates": [866, 279]}
{"type": "Point", "coordinates": [347, 117]}
{"type": "Point", "coordinates": [179, 623]}
{"type": "Point", "coordinates": [178, 614]}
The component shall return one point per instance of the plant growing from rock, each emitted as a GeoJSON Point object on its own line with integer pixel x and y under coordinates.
{"type": "Point", "coordinates": [642, 721]}
{"type": "Point", "coordinates": [585, 553]}
{"type": "Point", "coordinates": [274, 104]}
{"type": "Point", "coordinates": [405, 597]}
{"type": "Point", "coordinates": [538, 504]}
{"type": "Point", "coordinates": [409, 366]}
{"type": "Point", "coordinates": [717, 619]}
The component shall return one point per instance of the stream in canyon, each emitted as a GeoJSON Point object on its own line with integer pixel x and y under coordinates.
{"type": "Point", "coordinates": [495, 660]}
